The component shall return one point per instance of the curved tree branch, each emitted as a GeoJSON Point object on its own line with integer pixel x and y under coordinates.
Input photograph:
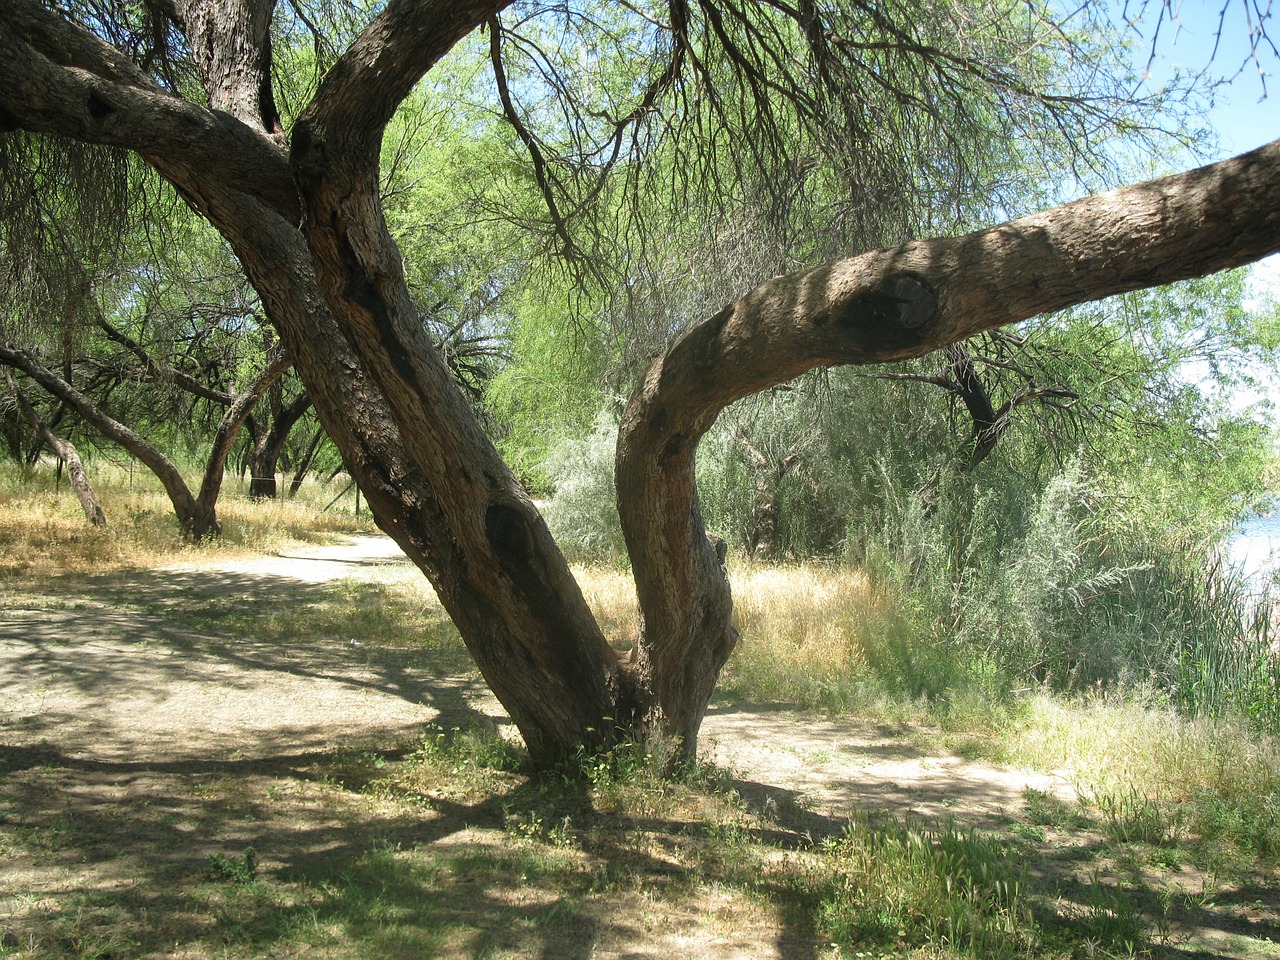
{"type": "Point", "coordinates": [890, 304]}
{"type": "Point", "coordinates": [58, 78]}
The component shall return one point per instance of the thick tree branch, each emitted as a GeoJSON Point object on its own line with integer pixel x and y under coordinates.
{"type": "Point", "coordinates": [885, 305]}
{"type": "Point", "coordinates": [231, 42]}
{"type": "Point", "coordinates": [360, 94]}
{"type": "Point", "coordinates": [57, 78]}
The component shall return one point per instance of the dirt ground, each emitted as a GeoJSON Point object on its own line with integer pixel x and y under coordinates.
{"type": "Point", "coordinates": [117, 719]}
{"type": "Point", "coordinates": [103, 685]}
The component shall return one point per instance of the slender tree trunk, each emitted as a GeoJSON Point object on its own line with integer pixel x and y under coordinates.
{"type": "Point", "coordinates": [66, 452]}
{"type": "Point", "coordinates": [305, 464]}
{"type": "Point", "coordinates": [224, 437]}
{"type": "Point", "coordinates": [267, 449]}
{"type": "Point", "coordinates": [197, 515]}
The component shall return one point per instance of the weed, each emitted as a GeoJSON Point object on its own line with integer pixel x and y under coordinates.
{"type": "Point", "coordinates": [1130, 815]}
{"type": "Point", "coordinates": [241, 871]}
{"type": "Point", "coordinates": [905, 886]}
{"type": "Point", "coordinates": [1047, 810]}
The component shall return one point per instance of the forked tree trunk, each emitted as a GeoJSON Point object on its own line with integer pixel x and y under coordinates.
{"type": "Point", "coordinates": [305, 220]}
{"type": "Point", "coordinates": [197, 514]}
{"type": "Point", "coordinates": [267, 449]}
{"type": "Point", "coordinates": [307, 462]}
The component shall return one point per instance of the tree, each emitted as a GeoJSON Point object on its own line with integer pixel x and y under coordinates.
{"type": "Point", "coordinates": [302, 210]}
{"type": "Point", "coordinates": [197, 514]}
{"type": "Point", "coordinates": [65, 451]}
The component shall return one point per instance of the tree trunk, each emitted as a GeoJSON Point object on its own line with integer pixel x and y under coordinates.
{"type": "Point", "coordinates": [232, 420]}
{"type": "Point", "coordinates": [267, 449]}
{"type": "Point", "coordinates": [66, 452]}
{"type": "Point", "coordinates": [197, 515]}
{"type": "Point", "coordinates": [305, 464]}
{"type": "Point", "coordinates": [184, 504]}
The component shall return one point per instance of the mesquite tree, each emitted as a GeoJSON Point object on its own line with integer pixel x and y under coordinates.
{"type": "Point", "coordinates": [302, 210]}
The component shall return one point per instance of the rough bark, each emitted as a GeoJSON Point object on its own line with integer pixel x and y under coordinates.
{"type": "Point", "coordinates": [486, 548]}
{"type": "Point", "coordinates": [307, 225]}
{"type": "Point", "coordinates": [885, 305]}
{"type": "Point", "coordinates": [62, 80]}
{"type": "Point", "coordinates": [66, 452]}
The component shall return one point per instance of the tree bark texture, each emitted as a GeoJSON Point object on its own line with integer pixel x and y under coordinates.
{"type": "Point", "coordinates": [305, 219]}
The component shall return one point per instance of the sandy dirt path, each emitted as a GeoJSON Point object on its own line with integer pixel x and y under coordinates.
{"type": "Point", "coordinates": [93, 680]}
{"type": "Point", "coordinates": [150, 723]}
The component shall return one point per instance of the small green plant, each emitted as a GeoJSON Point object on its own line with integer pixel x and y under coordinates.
{"type": "Point", "coordinates": [239, 872]}
{"type": "Point", "coordinates": [908, 886]}
{"type": "Point", "coordinates": [1046, 810]}
{"type": "Point", "coordinates": [1130, 815]}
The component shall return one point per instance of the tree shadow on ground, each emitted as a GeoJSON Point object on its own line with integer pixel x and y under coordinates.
{"type": "Point", "coordinates": [114, 647]}
{"type": "Point", "coordinates": [139, 838]}
{"type": "Point", "coordinates": [104, 837]}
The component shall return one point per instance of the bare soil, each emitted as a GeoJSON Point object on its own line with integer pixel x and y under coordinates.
{"type": "Point", "coordinates": [134, 747]}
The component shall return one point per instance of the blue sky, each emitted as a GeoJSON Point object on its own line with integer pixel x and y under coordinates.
{"type": "Point", "coordinates": [1187, 40]}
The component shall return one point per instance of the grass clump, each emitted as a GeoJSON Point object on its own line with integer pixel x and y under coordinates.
{"type": "Point", "coordinates": [905, 886]}
{"type": "Point", "coordinates": [241, 871]}
{"type": "Point", "coordinates": [1157, 777]}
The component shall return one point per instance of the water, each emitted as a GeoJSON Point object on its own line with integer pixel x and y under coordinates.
{"type": "Point", "coordinates": [1254, 549]}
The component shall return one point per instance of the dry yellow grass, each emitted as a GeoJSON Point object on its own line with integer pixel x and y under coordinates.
{"type": "Point", "coordinates": [43, 530]}
{"type": "Point", "coordinates": [611, 594]}
{"type": "Point", "coordinates": [805, 628]}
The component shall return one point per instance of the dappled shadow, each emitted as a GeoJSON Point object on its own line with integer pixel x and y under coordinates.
{"type": "Point", "coordinates": [842, 767]}
{"type": "Point", "coordinates": [157, 723]}
{"type": "Point", "coordinates": [151, 722]}
{"type": "Point", "coordinates": [195, 654]}
{"type": "Point", "coordinates": [140, 838]}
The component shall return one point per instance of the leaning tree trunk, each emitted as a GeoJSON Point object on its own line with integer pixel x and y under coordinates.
{"type": "Point", "coordinates": [304, 465]}
{"type": "Point", "coordinates": [197, 515]}
{"type": "Point", "coordinates": [184, 504]}
{"type": "Point", "coordinates": [224, 437]}
{"type": "Point", "coordinates": [66, 451]}
{"type": "Point", "coordinates": [881, 306]}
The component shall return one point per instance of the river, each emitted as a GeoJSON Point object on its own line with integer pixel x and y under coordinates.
{"type": "Point", "coordinates": [1254, 549]}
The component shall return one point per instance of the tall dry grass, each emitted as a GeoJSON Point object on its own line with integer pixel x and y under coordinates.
{"type": "Point", "coordinates": [43, 530]}
{"type": "Point", "coordinates": [810, 633]}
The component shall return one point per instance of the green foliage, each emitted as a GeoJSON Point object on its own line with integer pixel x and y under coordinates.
{"type": "Point", "coordinates": [904, 887]}
{"type": "Point", "coordinates": [584, 514]}
{"type": "Point", "coordinates": [1153, 776]}
{"type": "Point", "coordinates": [1129, 815]}
{"type": "Point", "coordinates": [240, 871]}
